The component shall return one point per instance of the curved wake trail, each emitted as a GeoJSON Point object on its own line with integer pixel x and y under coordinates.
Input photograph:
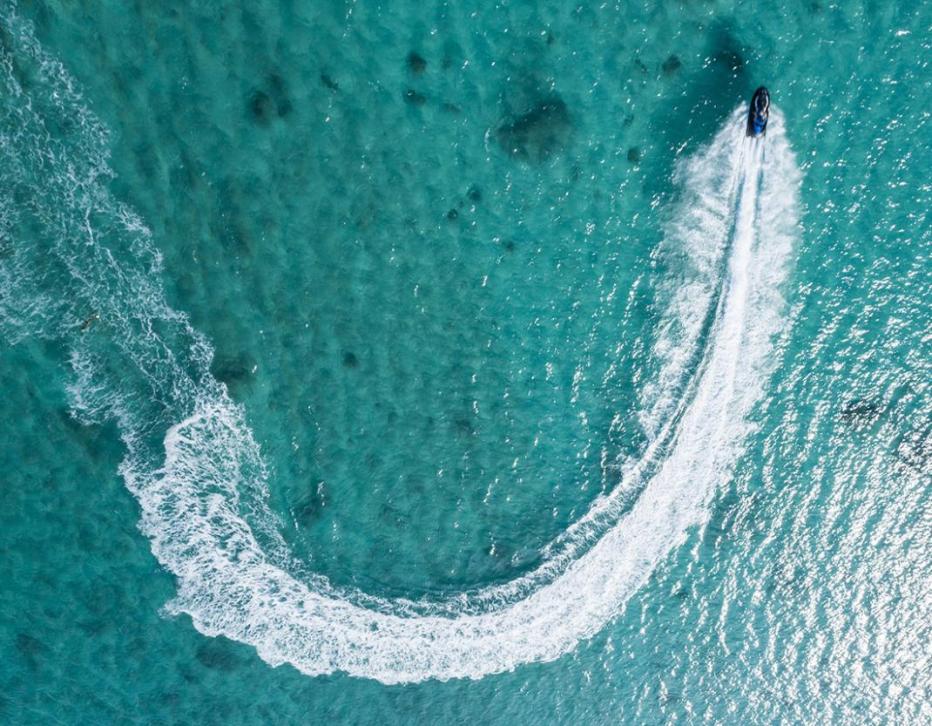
{"type": "Point", "coordinates": [733, 236]}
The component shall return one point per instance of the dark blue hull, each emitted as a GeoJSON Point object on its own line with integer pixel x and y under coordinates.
{"type": "Point", "coordinates": [759, 112]}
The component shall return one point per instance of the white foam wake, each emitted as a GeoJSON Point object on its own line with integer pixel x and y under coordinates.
{"type": "Point", "coordinates": [229, 587]}
{"type": "Point", "coordinates": [731, 235]}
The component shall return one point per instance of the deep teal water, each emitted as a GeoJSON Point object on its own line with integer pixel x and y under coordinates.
{"type": "Point", "coordinates": [438, 289]}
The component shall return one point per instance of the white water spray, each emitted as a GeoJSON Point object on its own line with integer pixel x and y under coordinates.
{"type": "Point", "coordinates": [734, 230]}
{"type": "Point", "coordinates": [229, 587]}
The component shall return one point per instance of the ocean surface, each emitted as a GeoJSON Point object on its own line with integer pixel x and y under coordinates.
{"type": "Point", "coordinates": [464, 363]}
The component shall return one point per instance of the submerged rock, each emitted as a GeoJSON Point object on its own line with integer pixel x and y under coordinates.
{"type": "Point", "coordinates": [729, 52]}
{"type": "Point", "coordinates": [218, 654]}
{"type": "Point", "coordinates": [261, 108]}
{"type": "Point", "coordinates": [539, 134]}
{"type": "Point", "coordinates": [270, 101]}
{"type": "Point", "coordinates": [416, 64]}
{"type": "Point", "coordinates": [28, 645]}
{"type": "Point", "coordinates": [31, 649]}
{"type": "Point", "coordinates": [732, 60]}
{"type": "Point", "coordinates": [308, 509]}
{"type": "Point", "coordinates": [233, 370]}
{"type": "Point", "coordinates": [279, 92]}
{"type": "Point", "coordinates": [89, 321]}
{"type": "Point", "coordinates": [860, 409]}
{"type": "Point", "coordinates": [671, 65]}
{"type": "Point", "coordinates": [463, 426]}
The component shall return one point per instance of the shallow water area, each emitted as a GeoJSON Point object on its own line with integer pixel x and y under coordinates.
{"type": "Point", "coordinates": [445, 265]}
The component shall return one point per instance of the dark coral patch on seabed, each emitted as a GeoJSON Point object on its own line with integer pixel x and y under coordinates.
{"type": "Point", "coordinates": [270, 101]}
{"type": "Point", "coordinates": [671, 65]}
{"type": "Point", "coordinates": [416, 63]}
{"type": "Point", "coordinates": [538, 134]}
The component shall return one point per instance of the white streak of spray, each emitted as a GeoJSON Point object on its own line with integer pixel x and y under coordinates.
{"type": "Point", "coordinates": [738, 212]}
{"type": "Point", "coordinates": [229, 587]}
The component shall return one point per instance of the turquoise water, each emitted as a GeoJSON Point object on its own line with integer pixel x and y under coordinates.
{"type": "Point", "coordinates": [466, 363]}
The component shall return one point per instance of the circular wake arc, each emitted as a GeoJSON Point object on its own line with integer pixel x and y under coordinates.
{"type": "Point", "coordinates": [732, 237]}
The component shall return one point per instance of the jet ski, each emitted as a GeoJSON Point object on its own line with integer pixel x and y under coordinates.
{"type": "Point", "coordinates": [758, 112]}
